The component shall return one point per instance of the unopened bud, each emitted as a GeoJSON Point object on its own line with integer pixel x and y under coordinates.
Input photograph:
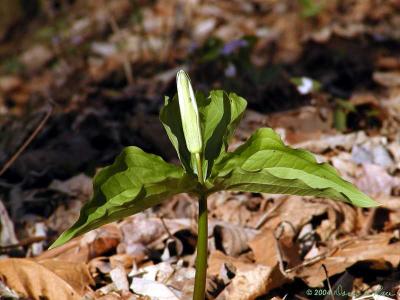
{"type": "Point", "coordinates": [189, 113]}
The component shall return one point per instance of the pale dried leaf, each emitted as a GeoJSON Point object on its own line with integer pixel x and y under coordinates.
{"type": "Point", "coordinates": [375, 248]}
{"type": "Point", "coordinates": [251, 280]}
{"type": "Point", "coordinates": [152, 289]}
{"type": "Point", "coordinates": [232, 239]}
{"type": "Point", "coordinates": [387, 79]}
{"type": "Point", "coordinates": [34, 280]}
{"type": "Point", "coordinates": [7, 233]}
{"type": "Point", "coordinates": [119, 277]}
{"type": "Point", "coordinates": [76, 274]}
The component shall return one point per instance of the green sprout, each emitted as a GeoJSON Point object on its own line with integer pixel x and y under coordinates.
{"type": "Point", "coordinates": [310, 8]}
{"type": "Point", "coordinates": [199, 128]}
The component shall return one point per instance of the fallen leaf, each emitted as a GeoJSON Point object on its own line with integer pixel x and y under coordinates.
{"type": "Point", "coordinates": [34, 280]}
{"type": "Point", "coordinates": [90, 245]}
{"type": "Point", "coordinates": [387, 79]}
{"type": "Point", "coordinates": [36, 58]}
{"type": "Point", "coordinates": [374, 180]}
{"type": "Point", "coordinates": [232, 239]}
{"type": "Point", "coordinates": [78, 187]}
{"type": "Point", "coordinates": [326, 142]}
{"type": "Point", "coordinates": [119, 277]}
{"type": "Point", "coordinates": [76, 274]}
{"type": "Point", "coordinates": [251, 280]}
{"type": "Point", "coordinates": [302, 124]}
{"type": "Point", "coordinates": [159, 272]}
{"type": "Point", "coordinates": [376, 249]}
{"type": "Point", "coordinates": [230, 208]}
{"type": "Point", "coordinates": [152, 289]}
{"type": "Point", "coordinates": [6, 292]}
{"type": "Point", "coordinates": [7, 232]}
{"type": "Point", "coordinates": [9, 84]}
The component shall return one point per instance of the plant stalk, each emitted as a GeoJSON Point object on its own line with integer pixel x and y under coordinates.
{"type": "Point", "coordinates": [202, 240]}
{"type": "Point", "coordinates": [201, 259]}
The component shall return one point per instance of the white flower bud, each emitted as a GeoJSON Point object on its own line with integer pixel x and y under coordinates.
{"type": "Point", "coordinates": [189, 113]}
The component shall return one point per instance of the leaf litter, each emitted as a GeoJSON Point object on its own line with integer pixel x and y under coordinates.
{"type": "Point", "coordinates": [260, 244]}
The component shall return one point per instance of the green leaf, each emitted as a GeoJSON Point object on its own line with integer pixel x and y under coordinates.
{"type": "Point", "coordinates": [134, 182]}
{"type": "Point", "coordinates": [310, 8]}
{"type": "Point", "coordinates": [340, 119]}
{"type": "Point", "coordinates": [264, 164]}
{"type": "Point", "coordinates": [220, 114]}
{"type": "Point", "coordinates": [170, 116]}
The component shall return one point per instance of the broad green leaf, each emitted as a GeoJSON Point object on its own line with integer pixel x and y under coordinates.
{"type": "Point", "coordinates": [220, 113]}
{"type": "Point", "coordinates": [265, 164]}
{"type": "Point", "coordinates": [170, 116]}
{"type": "Point", "coordinates": [134, 182]}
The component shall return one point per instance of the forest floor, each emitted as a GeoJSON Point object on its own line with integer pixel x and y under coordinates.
{"type": "Point", "coordinates": [87, 78]}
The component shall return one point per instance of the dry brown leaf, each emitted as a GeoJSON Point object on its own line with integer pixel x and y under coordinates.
{"type": "Point", "coordinates": [99, 264]}
{"type": "Point", "coordinates": [119, 277]}
{"type": "Point", "coordinates": [305, 211]}
{"type": "Point", "coordinates": [9, 83]}
{"type": "Point", "coordinates": [232, 239]}
{"type": "Point", "coordinates": [251, 280]}
{"type": "Point", "coordinates": [76, 274]}
{"type": "Point", "coordinates": [141, 232]}
{"type": "Point", "coordinates": [152, 289]}
{"type": "Point", "coordinates": [79, 186]}
{"type": "Point", "coordinates": [7, 232]}
{"type": "Point", "coordinates": [342, 218]}
{"type": "Point", "coordinates": [387, 62]}
{"type": "Point", "coordinates": [64, 216]}
{"type": "Point", "coordinates": [264, 248]}
{"type": "Point", "coordinates": [90, 245]}
{"type": "Point", "coordinates": [37, 57]}
{"type": "Point", "coordinates": [232, 209]}
{"type": "Point", "coordinates": [302, 124]}
{"type": "Point", "coordinates": [387, 79]}
{"type": "Point", "coordinates": [305, 208]}
{"type": "Point", "coordinates": [375, 181]}
{"type": "Point", "coordinates": [34, 280]}
{"type": "Point", "coordinates": [325, 142]}
{"type": "Point", "coordinates": [375, 248]}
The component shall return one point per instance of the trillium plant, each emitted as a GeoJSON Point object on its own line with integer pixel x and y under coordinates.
{"type": "Point", "coordinates": [199, 128]}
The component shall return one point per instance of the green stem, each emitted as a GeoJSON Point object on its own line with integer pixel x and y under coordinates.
{"type": "Point", "coordinates": [201, 259]}
{"type": "Point", "coordinates": [202, 240]}
{"type": "Point", "coordinates": [199, 168]}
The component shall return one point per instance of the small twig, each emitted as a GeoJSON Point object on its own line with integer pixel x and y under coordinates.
{"type": "Point", "coordinates": [300, 297]}
{"type": "Point", "coordinates": [268, 214]}
{"type": "Point", "coordinates": [169, 277]}
{"type": "Point", "coordinates": [126, 63]}
{"type": "Point", "coordinates": [319, 257]}
{"type": "Point", "coordinates": [10, 161]}
{"type": "Point", "coordinates": [170, 236]}
{"type": "Point", "coordinates": [369, 222]}
{"type": "Point", "coordinates": [364, 297]}
{"type": "Point", "coordinates": [23, 243]}
{"type": "Point", "coordinates": [280, 259]}
{"type": "Point", "coordinates": [327, 279]}
{"type": "Point", "coordinates": [166, 228]}
{"type": "Point", "coordinates": [278, 247]}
